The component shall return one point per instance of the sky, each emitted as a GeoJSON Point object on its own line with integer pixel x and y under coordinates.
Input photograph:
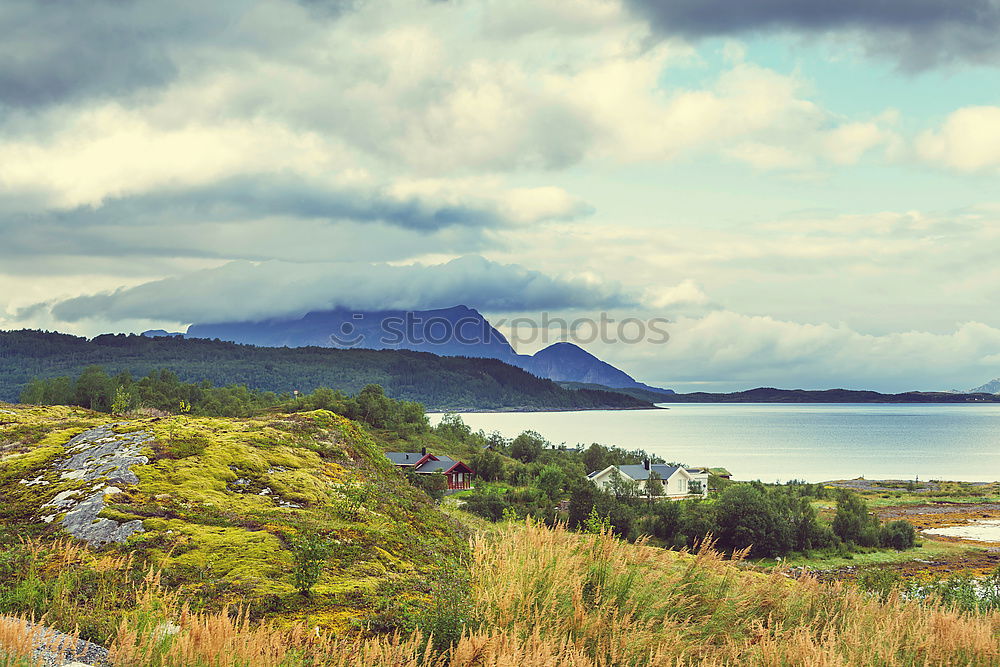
{"type": "Point", "coordinates": [807, 191]}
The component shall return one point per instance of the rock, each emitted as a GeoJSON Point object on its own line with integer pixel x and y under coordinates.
{"type": "Point", "coordinates": [103, 456]}
{"type": "Point", "coordinates": [58, 649]}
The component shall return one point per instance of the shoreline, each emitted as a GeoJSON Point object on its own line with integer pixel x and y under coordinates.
{"type": "Point", "coordinates": [531, 410]}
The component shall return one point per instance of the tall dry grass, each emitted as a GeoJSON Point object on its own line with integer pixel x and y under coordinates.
{"type": "Point", "coordinates": [623, 604]}
{"type": "Point", "coordinates": [551, 598]}
{"type": "Point", "coordinates": [20, 637]}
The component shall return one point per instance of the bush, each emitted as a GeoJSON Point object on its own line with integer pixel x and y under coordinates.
{"type": "Point", "coordinates": [853, 523]}
{"type": "Point", "coordinates": [310, 552]}
{"type": "Point", "coordinates": [898, 535]}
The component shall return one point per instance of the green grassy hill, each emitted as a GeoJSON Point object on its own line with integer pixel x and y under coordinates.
{"type": "Point", "coordinates": [442, 383]}
{"type": "Point", "coordinates": [222, 505]}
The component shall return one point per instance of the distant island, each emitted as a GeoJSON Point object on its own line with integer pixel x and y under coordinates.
{"type": "Point", "coordinates": [771, 395]}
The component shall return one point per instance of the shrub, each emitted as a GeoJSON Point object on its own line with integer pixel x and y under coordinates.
{"type": "Point", "coordinates": [853, 523]}
{"type": "Point", "coordinates": [898, 535]}
{"type": "Point", "coordinates": [310, 552]}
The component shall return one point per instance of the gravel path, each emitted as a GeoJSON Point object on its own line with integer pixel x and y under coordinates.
{"type": "Point", "coordinates": [57, 649]}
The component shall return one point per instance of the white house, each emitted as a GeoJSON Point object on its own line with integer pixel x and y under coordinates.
{"type": "Point", "coordinates": [677, 481]}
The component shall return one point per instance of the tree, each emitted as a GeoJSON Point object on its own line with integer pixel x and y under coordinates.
{"type": "Point", "coordinates": [853, 523]}
{"type": "Point", "coordinates": [595, 458]}
{"type": "Point", "coordinates": [654, 485]}
{"type": "Point", "coordinates": [898, 535]}
{"type": "Point", "coordinates": [621, 488]}
{"type": "Point", "coordinates": [527, 447]}
{"type": "Point", "coordinates": [434, 484]}
{"type": "Point", "coordinates": [374, 407]}
{"type": "Point", "coordinates": [663, 521]}
{"type": "Point", "coordinates": [581, 501]}
{"type": "Point", "coordinates": [488, 465]}
{"type": "Point", "coordinates": [93, 389]}
{"type": "Point", "coordinates": [550, 481]}
{"type": "Point", "coordinates": [310, 553]}
{"type": "Point", "coordinates": [123, 402]}
{"type": "Point", "coordinates": [748, 517]}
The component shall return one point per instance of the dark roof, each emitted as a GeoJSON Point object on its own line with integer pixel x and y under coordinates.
{"type": "Point", "coordinates": [404, 458]}
{"type": "Point", "coordinates": [431, 462]}
{"type": "Point", "coordinates": [639, 472]}
{"type": "Point", "coordinates": [443, 463]}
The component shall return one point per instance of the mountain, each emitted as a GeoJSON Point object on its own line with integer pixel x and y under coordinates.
{"type": "Point", "coordinates": [457, 331]}
{"type": "Point", "coordinates": [440, 383]}
{"type": "Point", "coordinates": [771, 395]}
{"type": "Point", "coordinates": [991, 387]}
{"type": "Point", "coordinates": [566, 362]}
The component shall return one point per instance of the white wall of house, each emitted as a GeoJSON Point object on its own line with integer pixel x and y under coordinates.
{"type": "Point", "coordinates": [675, 486]}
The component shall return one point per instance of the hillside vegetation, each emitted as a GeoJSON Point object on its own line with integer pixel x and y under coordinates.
{"type": "Point", "coordinates": [227, 510]}
{"type": "Point", "coordinates": [456, 383]}
{"type": "Point", "coordinates": [543, 596]}
{"type": "Point", "coordinates": [288, 539]}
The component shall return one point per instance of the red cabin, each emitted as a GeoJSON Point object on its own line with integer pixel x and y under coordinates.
{"type": "Point", "coordinates": [459, 474]}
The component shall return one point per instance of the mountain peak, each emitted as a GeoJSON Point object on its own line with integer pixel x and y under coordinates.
{"type": "Point", "coordinates": [991, 387]}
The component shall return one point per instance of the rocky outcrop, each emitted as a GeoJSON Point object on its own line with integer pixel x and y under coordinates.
{"type": "Point", "coordinates": [51, 648]}
{"type": "Point", "coordinates": [102, 460]}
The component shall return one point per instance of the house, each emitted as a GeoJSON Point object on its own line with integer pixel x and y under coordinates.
{"type": "Point", "coordinates": [700, 475]}
{"type": "Point", "coordinates": [458, 474]}
{"type": "Point", "coordinates": [676, 480]}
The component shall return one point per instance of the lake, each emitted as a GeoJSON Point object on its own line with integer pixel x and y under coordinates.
{"type": "Point", "coordinates": [778, 442]}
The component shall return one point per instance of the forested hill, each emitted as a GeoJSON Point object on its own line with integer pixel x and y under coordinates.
{"type": "Point", "coordinates": [452, 383]}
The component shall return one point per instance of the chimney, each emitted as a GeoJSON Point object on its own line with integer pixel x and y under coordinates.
{"type": "Point", "coordinates": [645, 464]}
{"type": "Point", "coordinates": [423, 451]}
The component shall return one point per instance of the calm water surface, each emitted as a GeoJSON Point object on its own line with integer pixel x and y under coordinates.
{"type": "Point", "coordinates": [774, 442]}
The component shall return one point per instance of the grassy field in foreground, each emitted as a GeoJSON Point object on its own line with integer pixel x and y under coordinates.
{"type": "Point", "coordinates": [541, 596]}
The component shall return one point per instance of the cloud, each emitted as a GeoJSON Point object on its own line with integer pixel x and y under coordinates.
{"type": "Point", "coordinates": [918, 33]}
{"type": "Point", "coordinates": [686, 293]}
{"type": "Point", "coordinates": [249, 291]}
{"type": "Point", "coordinates": [726, 350]}
{"type": "Point", "coordinates": [968, 140]}
{"type": "Point", "coordinates": [265, 216]}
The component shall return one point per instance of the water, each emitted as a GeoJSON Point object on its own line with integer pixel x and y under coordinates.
{"type": "Point", "coordinates": [778, 442]}
{"type": "Point", "coordinates": [986, 530]}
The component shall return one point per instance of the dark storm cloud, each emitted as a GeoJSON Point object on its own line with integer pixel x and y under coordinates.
{"type": "Point", "coordinates": [920, 33]}
{"type": "Point", "coordinates": [61, 51]}
{"type": "Point", "coordinates": [247, 291]}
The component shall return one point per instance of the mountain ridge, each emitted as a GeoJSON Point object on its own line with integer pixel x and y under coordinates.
{"type": "Point", "coordinates": [439, 382]}
{"type": "Point", "coordinates": [455, 331]}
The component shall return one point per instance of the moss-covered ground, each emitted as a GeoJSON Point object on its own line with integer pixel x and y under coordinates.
{"type": "Point", "coordinates": [223, 500]}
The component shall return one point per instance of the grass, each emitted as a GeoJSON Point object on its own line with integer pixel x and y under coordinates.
{"type": "Point", "coordinates": [928, 550]}
{"type": "Point", "coordinates": [208, 584]}
{"type": "Point", "coordinates": [222, 501]}
{"type": "Point", "coordinates": [546, 596]}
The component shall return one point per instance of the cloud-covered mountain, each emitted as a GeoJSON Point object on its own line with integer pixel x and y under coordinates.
{"type": "Point", "coordinates": [456, 331]}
